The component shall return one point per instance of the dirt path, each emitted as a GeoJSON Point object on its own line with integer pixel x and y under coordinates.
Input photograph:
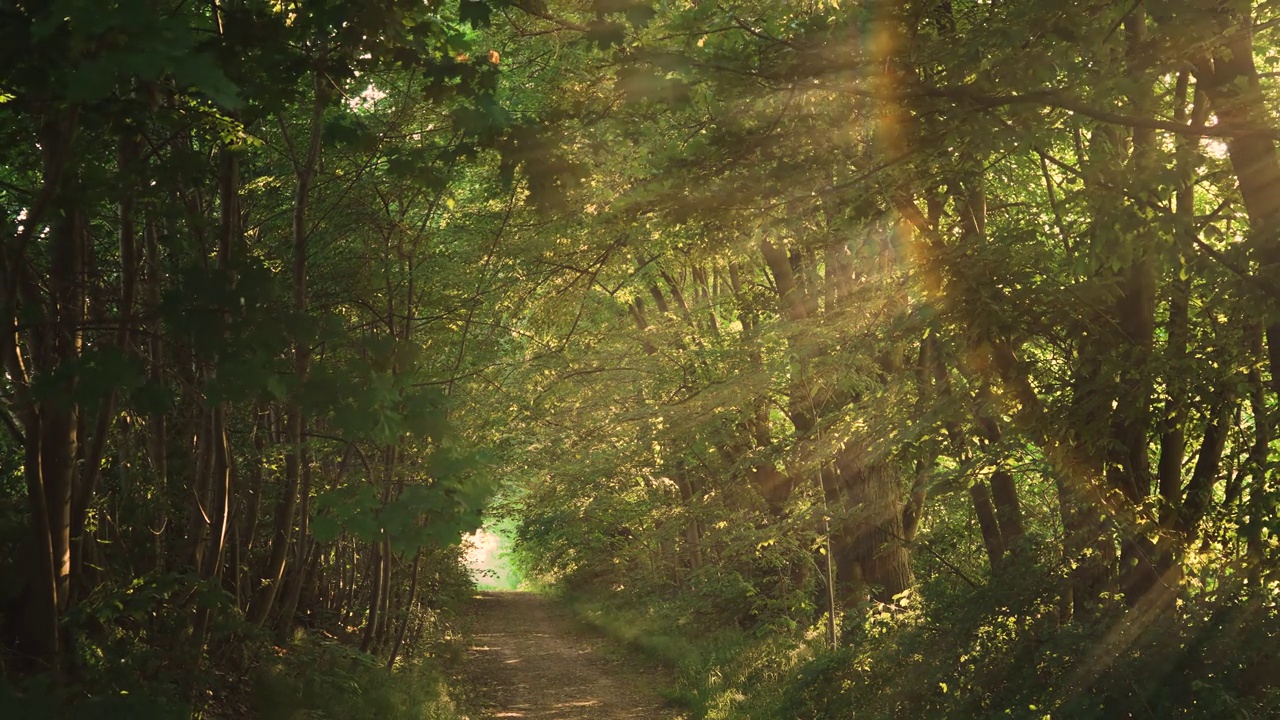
{"type": "Point", "coordinates": [528, 660]}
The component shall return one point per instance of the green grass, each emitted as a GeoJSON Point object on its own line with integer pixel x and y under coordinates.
{"type": "Point", "coordinates": [995, 658]}
{"type": "Point", "coordinates": [719, 674]}
{"type": "Point", "coordinates": [494, 569]}
{"type": "Point", "coordinates": [317, 679]}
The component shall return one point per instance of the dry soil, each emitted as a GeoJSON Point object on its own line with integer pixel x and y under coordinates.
{"type": "Point", "coordinates": [528, 659]}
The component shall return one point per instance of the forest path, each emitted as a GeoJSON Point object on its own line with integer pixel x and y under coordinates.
{"type": "Point", "coordinates": [529, 660]}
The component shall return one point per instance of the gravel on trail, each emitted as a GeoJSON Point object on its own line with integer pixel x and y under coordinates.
{"type": "Point", "coordinates": [528, 659]}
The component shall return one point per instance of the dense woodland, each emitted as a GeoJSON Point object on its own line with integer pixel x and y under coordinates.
{"type": "Point", "coordinates": [857, 358]}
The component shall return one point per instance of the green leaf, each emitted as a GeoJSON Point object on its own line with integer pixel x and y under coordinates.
{"type": "Point", "coordinates": [606, 33]}
{"type": "Point", "coordinates": [93, 80]}
{"type": "Point", "coordinates": [201, 72]}
{"type": "Point", "coordinates": [640, 15]}
{"type": "Point", "coordinates": [477, 13]}
{"type": "Point", "coordinates": [325, 528]}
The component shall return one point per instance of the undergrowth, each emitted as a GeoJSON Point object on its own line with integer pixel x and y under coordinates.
{"type": "Point", "coordinates": [135, 660]}
{"type": "Point", "coordinates": [318, 679]}
{"type": "Point", "coordinates": [314, 678]}
{"type": "Point", "coordinates": [1001, 653]}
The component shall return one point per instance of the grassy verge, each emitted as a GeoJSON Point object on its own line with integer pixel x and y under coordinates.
{"type": "Point", "coordinates": [993, 659]}
{"type": "Point", "coordinates": [321, 679]}
{"type": "Point", "coordinates": [719, 672]}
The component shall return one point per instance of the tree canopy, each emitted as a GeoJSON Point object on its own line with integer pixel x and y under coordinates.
{"type": "Point", "coordinates": [929, 345]}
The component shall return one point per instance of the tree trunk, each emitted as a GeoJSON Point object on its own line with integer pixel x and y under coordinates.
{"type": "Point", "coordinates": [304, 168]}
{"type": "Point", "coordinates": [375, 599]}
{"type": "Point", "coordinates": [158, 438]}
{"type": "Point", "coordinates": [52, 436]}
{"type": "Point", "coordinates": [302, 550]}
{"type": "Point", "coordinates": [408, 611]}
{"type": "Point", "coordinates": [872, 556]}
{"type": "Point", "coordinates": [988, 524]}
{"type": "Point", "coordinates": [1008, 510]}
{"type": "Point", "coordinates": [1231, 82]}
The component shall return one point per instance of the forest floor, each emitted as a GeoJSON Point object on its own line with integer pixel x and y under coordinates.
{"type": "Point", "coordinates": [529, 659]}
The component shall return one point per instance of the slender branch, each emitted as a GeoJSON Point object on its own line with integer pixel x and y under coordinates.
{"type": "Point", "coordinates": [1055, 99]}
{"type": "Point", "coordinates": [539, 10]}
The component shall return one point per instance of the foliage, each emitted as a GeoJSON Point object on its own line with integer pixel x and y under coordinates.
{"type": "Point", "coordinates": [322, 679]}
{"type": "Point", "coordinates": [937, 332]}
{"type": "Point", "coordinates": [236, 336]}
{"type": "Point", "coordinates": [490, 556]}
{"type": "Point", "coordinates": [924, 351]}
